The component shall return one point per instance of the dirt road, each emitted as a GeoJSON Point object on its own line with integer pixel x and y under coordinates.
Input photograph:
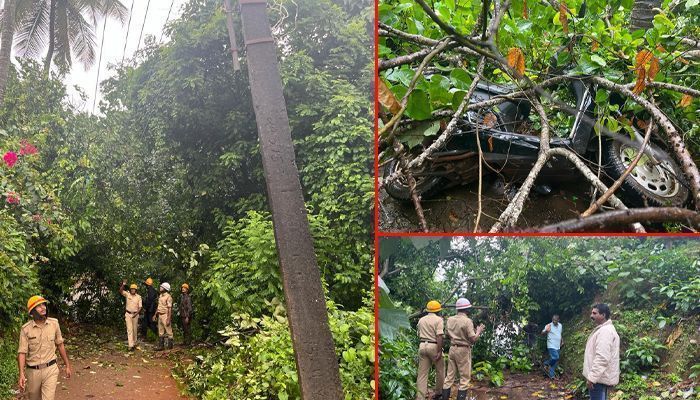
{"type": "Point", "coordinates": [104, 369]}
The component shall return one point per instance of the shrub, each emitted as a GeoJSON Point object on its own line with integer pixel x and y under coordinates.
{"type": "Point", "coordinates": [643, 354]}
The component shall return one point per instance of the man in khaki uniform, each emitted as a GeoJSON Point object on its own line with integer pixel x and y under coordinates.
{"type": "Point", "coordinates": [38, 340]}
{"type": "Point", "coordinates": [430, 331]}
{"type": "Point", "coordinates": [460, 329]}
{"type": "Point", "coordinates": [164, 315]}
{"type": "Point", "coordinates": [134, 305]}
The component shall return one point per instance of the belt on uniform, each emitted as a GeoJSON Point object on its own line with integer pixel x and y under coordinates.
{"type": "Point", "coordinates": [460, 345]}
{"type": "Point", "coordinates": [132, 312]}
{"type": "Point", "coordinates": [42, 366]}
{"type": "Point", "coordinates": [428, 341]}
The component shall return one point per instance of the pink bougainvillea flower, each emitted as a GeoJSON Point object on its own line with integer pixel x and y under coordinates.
{"type": "Point", "coordinates": [36, 217]}
{"type": "Point", "coordinates": [27, 148]}
{"type": "Point", "coordinates": [12, 198]}
{"type": "Point", "coordinates": [10, 158]}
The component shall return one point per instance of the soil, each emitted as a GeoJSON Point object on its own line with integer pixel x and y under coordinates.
{"type": "Point", "coordinates": [455, 209]}
{"type": "Point", "coordinates": [104, 369]}
{"type": "Point", "coordinates": [517, 387]}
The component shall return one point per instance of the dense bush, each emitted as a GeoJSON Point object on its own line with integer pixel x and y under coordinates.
{"type": "Point", "coordinates": [257, 360]}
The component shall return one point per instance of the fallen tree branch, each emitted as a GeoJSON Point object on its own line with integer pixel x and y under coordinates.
{"type": "Point", "coordinates": [616, 185]}
{"type": "Point", "coordinates": [671, 86]}
{"type": "Point", "coordinates": [625, 217]}
{"type": "Point", "coordinates": [677, 145]}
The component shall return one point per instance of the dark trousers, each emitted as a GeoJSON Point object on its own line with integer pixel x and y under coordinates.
{"type": "Point", "coordinates": [187, 331]}
{"type": "Point", "coordinates": [599, 392]}
{"type": "Point", "coordinates": [149, 324]}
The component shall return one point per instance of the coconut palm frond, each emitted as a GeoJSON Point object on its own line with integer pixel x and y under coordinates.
{"type": "Point", "coordinates": [32, 32]}
{"type": "Point", "coordinates": [82, 37]}
{"type": "Point", "coordinates": [115, 9]}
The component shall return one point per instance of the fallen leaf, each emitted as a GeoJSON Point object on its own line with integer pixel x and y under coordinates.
{"type": "Point", "coordinates": [595, 45]}
{"type": "Point", "coordinates": [685, 100]}
{"type": "Point", "coordinates": [489, 120]}
{"type": "Point", "coordinates": [387, 98]}
{"type": "Point", "coordinates": [516, 60]}
{"type": "Point", "coordinates": [563, 17]}
{"type": "Point", "coordinates": [654, 68]}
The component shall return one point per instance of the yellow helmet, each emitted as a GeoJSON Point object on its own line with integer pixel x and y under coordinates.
{"type": "Point", "coordinates": [35, 301]}
{"type": "Point", "coordinates": [433, 306]}
{"type": "Point", "coordinates": [133, 286]}
{"type": "Point", "coordinates": [149, 281]}
{"type": "Point", "coordinates": [186, 286]}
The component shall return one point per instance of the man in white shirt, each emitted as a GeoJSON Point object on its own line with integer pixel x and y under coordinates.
{"type": "Point", "coordinates": [554, 343]}
{"type": "Point", "coordinates": [601, 361]}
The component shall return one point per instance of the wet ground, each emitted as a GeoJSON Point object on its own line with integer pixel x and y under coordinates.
{"type": "Point", "coordinates": [518, 387]}
{"type": "Point", "coordinates": [104, 369]}
{"type": "Point", "coordinates": [455, 210]}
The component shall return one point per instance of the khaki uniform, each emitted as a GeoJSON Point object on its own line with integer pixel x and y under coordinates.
{"type": "Point", "coordinates": [38, 342]}
{"type": "Point", "coordinates": [460, 329]}
{"type": "Point", "coordinates": [429, 328]}
{"type": "Point", "coordinates": [131, 316]}
{"type": "Point", "coordinates": [165, 302]}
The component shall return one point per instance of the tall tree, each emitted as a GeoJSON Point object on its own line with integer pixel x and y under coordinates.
{"type": "Point", "coordinates": [8, 27]}
{"type": "Point", "coordinates": [642, 16]}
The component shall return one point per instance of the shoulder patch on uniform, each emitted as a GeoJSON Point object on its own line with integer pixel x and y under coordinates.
{"type": "Point", "coordinates": [26, 325]}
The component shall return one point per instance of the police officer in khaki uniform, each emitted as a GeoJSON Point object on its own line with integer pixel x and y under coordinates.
{"type": "Point", "coordinates": [134, 305]}
{"type": "Point", "coordinates": [164, 315]}
{"type": "Point", "coordinates": [460, 329]}
{"type": "Point", "coordinates": [430, 331]}
{"type": "Point", "coordinates": [38, 340]}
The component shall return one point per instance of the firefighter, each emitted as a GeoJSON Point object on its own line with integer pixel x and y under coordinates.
{"type": "Point", "coordinates": [38, 340]}
{"type": "Point", "coordinates": [460, 329]}
{"type": "Point", "coordinates": [431, 331]}
{"type": "Point", "coordinates": [134, 305]}
{"type": "Point", "coordinates": [150, 303]}
{"type": "Point", "coordinates": [186, 313]}
{"type": "Point", "coordinates": [164, 315]}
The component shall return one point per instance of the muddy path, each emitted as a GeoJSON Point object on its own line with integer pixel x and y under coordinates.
{"type": "Point", "coordinates": [104, 369]}
{"type": "Point", "coordinates": [518, 387]}
{"type": "Point", "coordinates": [456, 209]}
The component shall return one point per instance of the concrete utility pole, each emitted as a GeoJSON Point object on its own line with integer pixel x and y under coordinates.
{"type": "Point", "coordinates": [314, 350]}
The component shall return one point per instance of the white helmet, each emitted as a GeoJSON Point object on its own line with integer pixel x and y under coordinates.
{"type": "Point", "coordinates": [166, 286]}
{"type": "Point", "coordinates": [463, 304]}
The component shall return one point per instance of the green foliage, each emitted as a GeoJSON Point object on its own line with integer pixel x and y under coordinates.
{"type": "Point", "coordinates": [487, 371]}
{"type": "Point", "coordinates": [8, 366]}
{"type": "Point", "coordinates": [643, 353]}
{"type": "Point", "coordinates": [397, 367]}
{"type": "Point", "coordinates": [683, 296]}
{"type": "Point", "coordinates": [258, 362]}
{"type": "Point", "coordinates": [520, 359]}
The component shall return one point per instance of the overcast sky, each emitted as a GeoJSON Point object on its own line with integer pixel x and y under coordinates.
{"type": "Point", "coordinates": [114, 44]}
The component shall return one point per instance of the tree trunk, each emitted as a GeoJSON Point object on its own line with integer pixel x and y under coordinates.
{"type": "Point", "coordinates": [642, 16]}
{"type": "Point", "coordinates": [52, 38]}
{"type": "Point", "coordinates": [6, 37]}
{"type": "Point", "coordinates": [314, 350]}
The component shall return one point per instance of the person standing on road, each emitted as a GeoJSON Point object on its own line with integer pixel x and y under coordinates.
{"type": "Point", "coordinates": [186, 313]}
{"type": "Point", "coordinates": [431, 332]}
{"type": "Point", "coordinates": [38, 340]}
{"type": "Point", "coordinates": [164, 315]}
{"type": "Point", "coordinates": [601, 360]}
{"type": "Point", "coordinates": [150, 304]}
{"type": "Point", "coordinates": [555, 341]}
{"type": "Point", "coordinates": [134, 305]}
{"type": "Point", "coordinates": [460, 330]}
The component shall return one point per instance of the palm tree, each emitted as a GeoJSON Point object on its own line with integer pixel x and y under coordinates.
{"type": "Point", "coordinates": [65, 27]}
{"type": "Point", "coordinates": [642, 16]}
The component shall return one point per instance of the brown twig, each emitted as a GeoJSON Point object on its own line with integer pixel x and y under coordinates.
{"type": "Point", "coordinates": [626, 217]}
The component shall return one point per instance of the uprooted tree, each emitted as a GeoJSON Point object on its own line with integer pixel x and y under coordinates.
{"type": "Point", "coordinates": [433, 56]}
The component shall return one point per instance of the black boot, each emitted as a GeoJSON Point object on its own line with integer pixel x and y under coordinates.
{"type": "Point", "coordinates": [462, 395]}
{"type": "Point", "coordinates": [170, 341]}
{"type": "Point", "coordinates": [161, 344]}
{"type": "Point", "coordinates": [445, 394]}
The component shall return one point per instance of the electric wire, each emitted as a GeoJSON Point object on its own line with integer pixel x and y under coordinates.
{"type": "Point", "coordinates": [128, 27]}
{"type": "Point", "coordinates": [99, 64]}
{"type": "Point", "coordinates": [166, 21]}
{"type": "Point", "coordinates": [143, 25]}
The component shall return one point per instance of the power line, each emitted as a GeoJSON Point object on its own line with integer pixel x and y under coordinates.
{"type": "Point", "coordinates": [143, 25]}
{"type": "Point", "coordinates": [99, 64]}
{"type": "Point", "coordinates": [166, 21]}
{"type": "Point", "coordinates": [128, 27]}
